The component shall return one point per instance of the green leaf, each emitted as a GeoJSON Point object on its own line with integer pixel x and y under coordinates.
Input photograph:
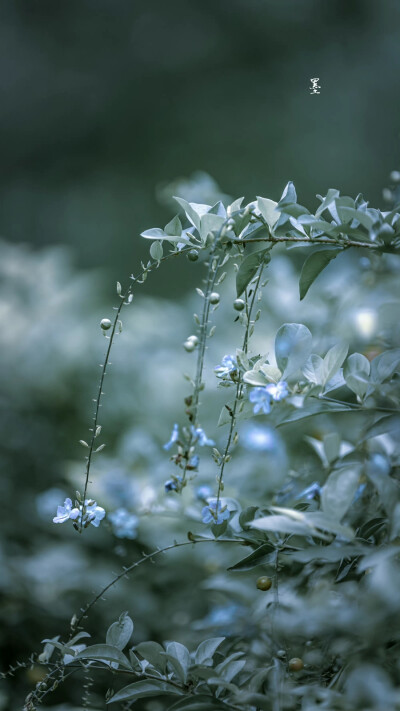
{"type": "Point", "coordinates": [390, 424]}
{"type": "Point", "coordinates": [313, 369]}
{"type": "Point", "coordinates": [385, 365]}
{"type": "Point", "coordinates": [376, 558]}
{"type": "Point", "coordinates": [329, 198]}
{"type": "Point", "coordinates": [210, 223]}
{"type": "Point", "coordinates": [178, 655]}
{"type": "Point", "coordinates": [314, 264]}
{"type": "Point", "coordinates": [333, 361]}
{"type": "Point", "coordinates": [194, 211]}
{"type": "Point", "coordinates": [284, 524]}
{"type": "Point", "coordinates": [104, 653]}
{"type": "Point", "coordinates": [255, 377]}
{"type": "Point", "coordinates": [356, 373]}
{"type": "Point", "coordinates": [347, 214]}
{"type": "Point", "coordinates": [268, 211]}
{"type": "Point", "coordinates": [292, 347]}
{"type": "Point", "coordinates": [158, 234]}
{"type": "Point", "coordinates": [120, 632]}
{"type": "Point", "coordinates": [206, 650]}
{"type": "Point", "coordinates": [174, 227]}
{"type": "Point", "coordinates": [331, 446]}
{"type": "Point", "coordinates": [247, 515]}
{"type": "Point", "coordinates": [289, 195]}
{"type": "Point", "coordinates": [248, 269]}
{"type": "Point", "coordinates": [339, 490]}
{"type": "Point", "coordinates": [332, 553]}
{"type": "Point", "coordinates": [142, 689]}
{"type": "Point", "coordinates": [260, 556]}
{"type": "Point", "coordinates": [326, 523]}
{"type": "Point", "coordinates": [153, 653]}
{"type": "Point", "coordinates": [156, 250]}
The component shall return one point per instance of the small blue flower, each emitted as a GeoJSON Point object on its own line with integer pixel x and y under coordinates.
{"type": "Point", "coordinates": [200, 436]}
{"type": "Point", "coordinates": [310, 492]}
{"type": "Point", "coordinates": [65, 512]}
{"type": "Point", "coordinates": [203, 492]}
{"type": "Point", "coordinates": [124, 523]}
{"type": "Point", "coordinates": [214, 514]}
{"type": "Point", "coordinates": [193, 462]}
{"type": "Point", "coordinates": [228, 366]}
{"type": "Point", "coordinates": [279, 390]}
{"type": "Point", "coordinates": [174, 437]}
{"type": "Point", "coordinates": [261, 399]}
{"type": "Point", "coordinates": [174, 484]}
{"type": "Point", "coordinates": [94, 514]}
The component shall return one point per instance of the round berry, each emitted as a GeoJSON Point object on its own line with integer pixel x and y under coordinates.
{"type": "Point", "coordinates": [192, 339]}
{"type": "Point", "coordinates": [264, 583]}
{"type": "Point", "coordinates": [395, 176]}
{"type": "Point", "coordinates": [296, 664]}
{"type": "Point", "coordinates": [105, 324]}
{"type": "Point", "coordinates": [193, 255]}
{"type": "Point", "coordinates": [214, 297]}
{"type": "Point", "coordinates": [189, 346]}
{"type": "Point", "coordinates": [239, 304]}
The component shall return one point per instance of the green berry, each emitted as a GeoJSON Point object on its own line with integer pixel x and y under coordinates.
{"type": "Point", "coordinates": [214, 297]}
{"type": "Point", "coordinates": [239, 304]}
{"type": "Point", "coordinates": [264, 583]}
{"type": "Point", "coordinates": [193, 255]}
{"type": "Point", "coordinates": [105, 324]}
{"type": "Point", "coordinates": [296, 664]}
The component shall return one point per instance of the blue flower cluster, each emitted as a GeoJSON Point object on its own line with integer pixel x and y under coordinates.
{"type": "Point", "coordinates": [228, 368]}
{"type": "Point", "coordinates": [124, 523]}
{"type": "Point", "coordinates": [93, 513]}
{"type": "Point", "coordinates": [262, 397]}
{"type": "Point", "coordinates": [198, 435]}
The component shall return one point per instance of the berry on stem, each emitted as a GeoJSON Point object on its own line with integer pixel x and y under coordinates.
{"type": "Point", "coordinates": [296, 664]}
{"type": "Point", "coordinates": [239, 304]}
{"type": "Point", "coordinates": [264, 583]}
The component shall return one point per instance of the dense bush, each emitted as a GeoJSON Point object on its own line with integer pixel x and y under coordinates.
{"type": "Point", "coordinates": [275, 498]}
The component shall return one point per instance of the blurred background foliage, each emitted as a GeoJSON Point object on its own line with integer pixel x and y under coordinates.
{"type": "Point", "coordinates": [104, 104]}
{"type": "Point", "coordinates": [102, 101]}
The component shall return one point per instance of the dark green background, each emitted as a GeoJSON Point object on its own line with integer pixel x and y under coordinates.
{"type": "Point", "coordinates": [103, 101]}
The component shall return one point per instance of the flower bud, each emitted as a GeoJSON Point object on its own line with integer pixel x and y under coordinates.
{"type": "Point", "coordinates": [214, 297]}
{"type": "Point", "coordinates": [189, 346]}
{"type": "Point", "coordinates": [105, 324]}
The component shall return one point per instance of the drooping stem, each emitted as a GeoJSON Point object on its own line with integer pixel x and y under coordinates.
{"type": "Point", "coordinates": [148, 556]}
